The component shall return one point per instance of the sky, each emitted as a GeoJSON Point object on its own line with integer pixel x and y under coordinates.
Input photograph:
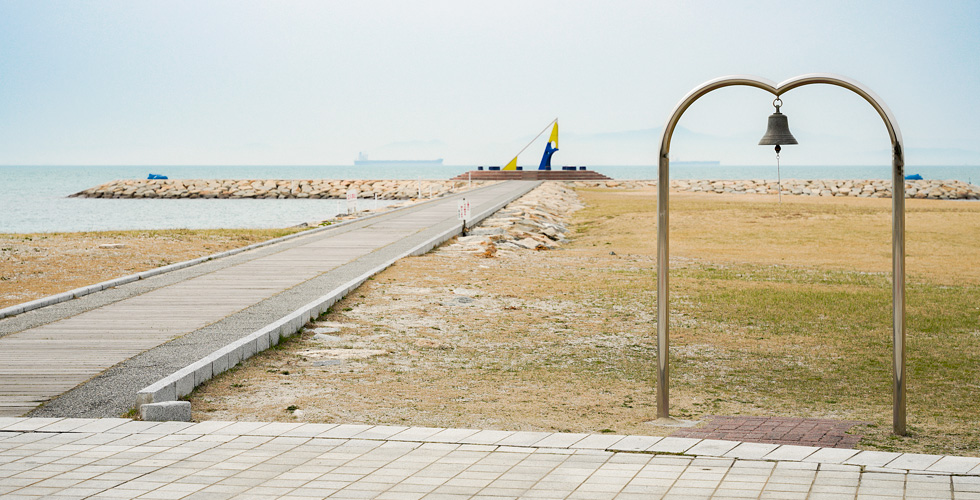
{"type": "Point", "coordinates": [244, 82]}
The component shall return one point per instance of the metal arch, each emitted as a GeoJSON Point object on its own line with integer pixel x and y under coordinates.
{"type": "Point", "coordinates": [898, 226]}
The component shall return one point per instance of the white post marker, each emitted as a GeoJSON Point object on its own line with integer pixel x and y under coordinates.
{"type": "Point", "coordinates": [463, 212]}
{"type": "Point", "coordinates": [351, 200]}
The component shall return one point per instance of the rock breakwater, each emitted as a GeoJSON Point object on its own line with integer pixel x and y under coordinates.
{"type": "Point", "coordinates": [273, 189]}
{"type": "Point", "coordinates": [536, 221]}
{"type": "Point", "coordinates": [872, 188]}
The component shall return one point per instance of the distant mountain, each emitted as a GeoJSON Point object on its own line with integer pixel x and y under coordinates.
{"type": "Point", "coordinates": [639, 147]}
{"type": "Point", "coordinates": [941, 156]}
{"type": "Point", "coordinates": [433, 148]}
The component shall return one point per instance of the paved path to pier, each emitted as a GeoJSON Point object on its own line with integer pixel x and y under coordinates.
{"type": "Point", "coordinates": [50, 351]}
{"type": "Point", "coordinates": [213, 460]}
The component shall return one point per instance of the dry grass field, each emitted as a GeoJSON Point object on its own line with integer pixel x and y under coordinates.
{"type": "Point", "coordinates": [777, 310]}
{"type": "Point", "coordinates": [41, 264]}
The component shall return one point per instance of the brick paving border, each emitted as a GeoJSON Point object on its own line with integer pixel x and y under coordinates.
{"type": "Point", "coordinates": [824, 433]}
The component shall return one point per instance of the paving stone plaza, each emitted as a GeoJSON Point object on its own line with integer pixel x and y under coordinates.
{"type": "Point", "coordinates": [119, 458]}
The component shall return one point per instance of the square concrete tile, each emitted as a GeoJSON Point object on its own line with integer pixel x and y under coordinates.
{"type": "Point", "coordinates": [598, 441]}
{"type": "Point", "coordinates": [872, 458]}
{"type": "Point", "coordinates": [712, 447]}
{"type": "Point", "coordinates": [791, 452]}
{"type": "Point", "coordinates": [486, 437]}
{"type": "Point", "coordinates": [634, 443]}
{"type": "Point", "coordinates": [416, 433]}
{"type": "Point", "coordinates": [831, 455]}
{"type": "Point", "coordinates": [674, 445]}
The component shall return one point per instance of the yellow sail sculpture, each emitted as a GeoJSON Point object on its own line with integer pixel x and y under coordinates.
{"type": "Point", "coordinates": [548, 150]}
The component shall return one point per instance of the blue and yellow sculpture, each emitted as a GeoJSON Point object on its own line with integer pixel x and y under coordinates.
{"type": "Point", "coordinates": [549, 150]}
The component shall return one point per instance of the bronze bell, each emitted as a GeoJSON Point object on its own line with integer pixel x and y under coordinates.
{"type": "Point", "coordinates": [778, 132]}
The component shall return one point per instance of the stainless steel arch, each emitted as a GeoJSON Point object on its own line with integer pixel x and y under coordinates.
{"type": "Point", "coordinates": [898, 226]}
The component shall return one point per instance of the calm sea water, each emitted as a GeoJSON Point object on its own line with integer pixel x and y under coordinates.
{"type": "Point", "coordinates": [35, 199]}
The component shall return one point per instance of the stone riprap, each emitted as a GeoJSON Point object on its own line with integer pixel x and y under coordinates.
{"type": "Point", "coordinates": [536, 221]}
{"type": "Point", "coordinates": [872, 188]}
{"type": "Point", "coordinates": [274, 189]}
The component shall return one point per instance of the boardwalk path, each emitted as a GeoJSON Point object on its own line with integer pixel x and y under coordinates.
{"type": "Point", "coordinates": [117, 341]}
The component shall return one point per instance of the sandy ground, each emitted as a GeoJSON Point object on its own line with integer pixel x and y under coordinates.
{"type": "Point", "coordinates": [511, 338]}
{"type": "Point", "coordinates": [454, 339]}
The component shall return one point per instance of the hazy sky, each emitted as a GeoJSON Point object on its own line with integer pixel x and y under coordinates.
{"type": "Point", "coordinates": [297, 82]}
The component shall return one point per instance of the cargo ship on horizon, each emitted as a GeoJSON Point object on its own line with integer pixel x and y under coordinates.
{"type": "Point", "coordinates": [362, 159]}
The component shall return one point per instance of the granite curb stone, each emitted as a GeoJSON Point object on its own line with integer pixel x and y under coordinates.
{"type": "Point", "coordinates": [179, 411]}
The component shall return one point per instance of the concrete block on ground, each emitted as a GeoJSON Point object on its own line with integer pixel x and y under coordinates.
{"type": "Point", "coordinates": [12, 311]}
{"type": "Point", "coordinates": [184, 379]}
{"type": "Point", "coordinates": [295, 323]}
{"type": "Point", "coordinates": [179, 411]}
{"type": "Point", "coordinates": [158, 392]}
{"type": "Point", "coordinates": [202, 371]}
{"type": "Point", "coordinates": [248, 349]}
{"type": "Point", "coordinates": [234, 355]}
{"type": "Point", "coordinates": [53, 299]}
{"type": "Point", "coordinates": [327, 304]}
{"type": "Point", "coordinates": [85, 290]}
{"type": "Point", "coordinates": [219, 361]}
{"type": "Point", "coordinates": [119, 281]}
{"type": "Point", "coordinates": [280, 325]}
{"type": "Point", "coordinates": [262, 341]}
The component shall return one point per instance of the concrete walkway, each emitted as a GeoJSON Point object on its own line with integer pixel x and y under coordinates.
{"type": "Point", "coordinates": [49, 351]}
{"type": "Point", "coordinates": [118, 458]}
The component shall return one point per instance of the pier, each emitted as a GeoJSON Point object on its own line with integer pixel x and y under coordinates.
{"type": "Point", "coordinates": [102, 348]}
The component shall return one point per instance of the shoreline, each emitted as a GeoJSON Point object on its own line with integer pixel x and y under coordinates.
{"type": "Point", "coordinates": [410, 189]}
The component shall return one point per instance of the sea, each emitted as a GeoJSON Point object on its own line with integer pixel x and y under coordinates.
{"type": "Point", "coordinates": [35, 198]}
